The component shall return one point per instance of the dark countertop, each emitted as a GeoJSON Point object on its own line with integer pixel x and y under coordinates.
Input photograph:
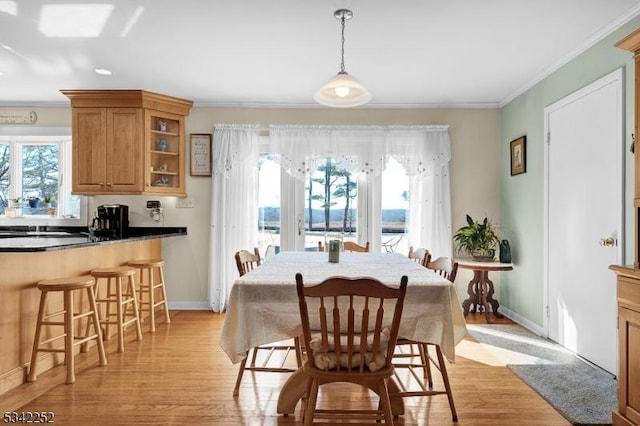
{"type": "Point", "coordinates": [26, 239]}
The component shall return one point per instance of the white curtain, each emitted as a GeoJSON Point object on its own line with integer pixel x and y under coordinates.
{"type": "Point", "coordinates": [234, 202]}
{"type": "Point", "coordinates": [430, 212]}
{"type": "Point", "coordinates": [423, 151]}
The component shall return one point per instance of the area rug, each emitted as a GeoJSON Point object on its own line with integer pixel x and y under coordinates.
{"type": "Point", "coordinates": [583, 393]}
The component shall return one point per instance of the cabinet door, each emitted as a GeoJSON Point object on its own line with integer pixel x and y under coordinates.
{"type": "Point", "coordinates": [164, 153]}
{"type": "Point", "coordinates": [628, 389]}
{"type": "Point", "coordinates": [124, 156]}
{"type": "Point", "coordinates": [89, 150]}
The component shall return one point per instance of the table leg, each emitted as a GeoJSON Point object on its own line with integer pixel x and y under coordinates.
{"type": "Point", "coordinates": [490, 300]}
{"type": "Point", "coordinates": [484, 290]}
{"type": "Point", "coordinates": [473, 299]}
{"type": "Point", "coordinates": [296, 385]}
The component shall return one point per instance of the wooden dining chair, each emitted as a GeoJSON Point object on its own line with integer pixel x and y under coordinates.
{"type": "Point", "coordinates": [420, 255]}
{"type": "Point", "coordinates": [246, 262]}
{"type": "Point", "coordinates": [350, 326]}
{"type": "Point", "coordinates": [353, 247]}
{"type": "Point", "coordinates": [444, 266]}
{"type": "Point", "coordinates": [422, 358]}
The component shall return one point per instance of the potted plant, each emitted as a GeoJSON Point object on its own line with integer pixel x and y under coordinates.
{"type": "Point", "coordinates": [47, 200]}
{"type": "Point", "coordinates": [34, 202]}
{"type": "Point", "coordinates": [478, 239]}
{"type": "Point", "coordinates": [14, 203]}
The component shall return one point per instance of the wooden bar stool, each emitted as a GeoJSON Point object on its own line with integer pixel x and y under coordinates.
{"type": "Point", "coordinates": [123, 296]}
{"type": "Point", "coordinates": [150, 287]}
{"type": "Point", "coordinates": [66, 285]}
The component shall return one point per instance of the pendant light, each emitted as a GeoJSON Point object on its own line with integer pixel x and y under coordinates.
{"type": "Point", "coordinates": [342, 90]}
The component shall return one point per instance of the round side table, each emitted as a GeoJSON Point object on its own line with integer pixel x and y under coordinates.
{"type": "Point", "coordinates": [480, 289]}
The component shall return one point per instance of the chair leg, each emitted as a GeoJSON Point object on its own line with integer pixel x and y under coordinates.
{"type": "Point", "coordinates": [253, 357]}
{"type": "Point", "coordinates": [312, 398]}
{"type": "Point", "coordinates": [136, 312]}
{"type": "Point", "coordinates": [424, 355]}
{"type": "Point", "coordinates": [69, 338]}
{"type": "Point", "coordinates": [96, 326]}
{"type": "Point", "coordinates": [236, 389]}
{"type": "Point", "coordinates": [447, 386]}
{"type": "Point", "coordinates": [164, 296]}
{"type": "Point", "coordinates": [36, 341]}
{"type": "Point", "coordinates": [385, 403]}
{"type": "Point", "coordinates": [152, 299]}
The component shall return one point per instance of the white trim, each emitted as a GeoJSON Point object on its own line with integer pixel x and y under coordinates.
{"type": "Point", "coordinates": [596, 38]}
{"type": "Point", "coordinates": [517, 318]}
{"type": "Point", "coordinates": [189, 306]}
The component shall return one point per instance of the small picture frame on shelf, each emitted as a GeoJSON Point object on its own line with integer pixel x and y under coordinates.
{"type": "Point", "coordinates": [201, 154]}
{"type": "Point", "coordinates": [518, 149]}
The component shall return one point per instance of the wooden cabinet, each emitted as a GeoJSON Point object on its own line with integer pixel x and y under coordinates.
{"type": "Point", "coordinates": [128, 142]}
{"type": "Point", "coordinates": [628, 285]}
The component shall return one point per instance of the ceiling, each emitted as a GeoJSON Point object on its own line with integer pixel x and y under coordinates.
{"type": "Point", "coordinates": [279, 52]}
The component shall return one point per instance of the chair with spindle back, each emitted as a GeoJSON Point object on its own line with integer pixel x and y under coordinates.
{"type": "Point", "coordinates": [350, 326]}
{"type": "Point", "coordinates": [353, 247]}
{"type": "Point", "coordinates": [446, 268]}
{"type": "Point", "coordinates": [246, 262]}
{"type": "Point", "coordinates": [420, 255]}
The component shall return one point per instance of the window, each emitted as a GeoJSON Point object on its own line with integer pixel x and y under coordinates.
{"type": "Point", "coordinates": [35, 179]}
{"type": "Point", "coordinates": [330, 205]}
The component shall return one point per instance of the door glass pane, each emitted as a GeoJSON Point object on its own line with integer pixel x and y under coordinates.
{"type": "Point", "coordinates": [330, 205]}
{"type": "Point", "coordinates": [269, 204]}
{"type": "Point", "coordinates": [395, 205]}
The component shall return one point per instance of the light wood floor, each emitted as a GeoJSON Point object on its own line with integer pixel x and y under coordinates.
{"type": "Point", "coordinates": [181, 376]}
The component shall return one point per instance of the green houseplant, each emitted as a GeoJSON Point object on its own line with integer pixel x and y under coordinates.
{"type": "Point", "coordinates": [478, 239]}
{"type": "Point", "coordinates": [48, 198]}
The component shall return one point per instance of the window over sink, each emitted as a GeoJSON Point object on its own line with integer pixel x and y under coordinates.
{"type": "Point", "coordinates": [35, 177]}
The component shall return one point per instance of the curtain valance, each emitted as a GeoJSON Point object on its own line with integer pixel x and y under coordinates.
{"type": "Point", "coordinates": [361, 149]}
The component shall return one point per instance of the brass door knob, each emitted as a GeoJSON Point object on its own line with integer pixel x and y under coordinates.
{"type": "Point", "coordinates": [607, 242]}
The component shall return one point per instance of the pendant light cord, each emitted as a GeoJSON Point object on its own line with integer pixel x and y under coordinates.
{"type": "Point", "coordinates": [342, 71]}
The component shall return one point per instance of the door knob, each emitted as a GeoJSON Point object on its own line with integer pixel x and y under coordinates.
{"type": "Point", "coordinates": [607, 242]}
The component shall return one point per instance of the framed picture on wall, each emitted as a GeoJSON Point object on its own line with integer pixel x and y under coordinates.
{"type": "Point", "coordinates": [200, 154]}
{"type": "Point", "coordinates": [518, 155]}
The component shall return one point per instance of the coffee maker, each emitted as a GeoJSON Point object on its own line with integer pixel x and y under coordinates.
{"type": "Point", "coordinates": [111, 220]}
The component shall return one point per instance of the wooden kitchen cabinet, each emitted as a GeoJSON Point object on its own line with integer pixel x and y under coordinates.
{"type": "Point", "coordinates": [128, 142]}
{"type": "Point", "coordinates": [628, 283]}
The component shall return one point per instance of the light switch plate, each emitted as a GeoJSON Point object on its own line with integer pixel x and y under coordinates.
{"type": "Point", "coordinates": [184, 203]}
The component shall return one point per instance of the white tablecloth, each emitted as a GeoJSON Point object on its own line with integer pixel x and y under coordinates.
{"type": "Point", "coordinates": [263, 305]}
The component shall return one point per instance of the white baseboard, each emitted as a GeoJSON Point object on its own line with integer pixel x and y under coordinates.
{"type": "Point", "coordinates": [189, 306]}
{"type": "Point", "coordinates": [531, 326]}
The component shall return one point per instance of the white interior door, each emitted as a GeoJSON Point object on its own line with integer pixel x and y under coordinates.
{"type": "Point", "coordinates": [585, 207]}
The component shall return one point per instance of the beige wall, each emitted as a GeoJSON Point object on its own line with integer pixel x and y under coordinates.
{"type": "Point", "coordinates": [475, 177]}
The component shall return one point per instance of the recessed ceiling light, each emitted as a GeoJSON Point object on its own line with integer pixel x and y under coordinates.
{"type": "Point", "coordinates": [102, 71]}
{"type": "Point", "coordinates": [1, 73]}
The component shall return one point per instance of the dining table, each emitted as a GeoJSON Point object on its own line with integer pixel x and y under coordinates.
{"type": "Point", "coordinates": [263, 306]}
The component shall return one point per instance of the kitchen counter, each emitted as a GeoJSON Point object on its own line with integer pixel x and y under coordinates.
{"type": "Point", "coordinates": [28, 255]}
{"type": "Point", "coordinates": [21, 239]}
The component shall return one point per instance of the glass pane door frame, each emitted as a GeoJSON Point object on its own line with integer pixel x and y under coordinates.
{"type": "Point", "coordinates": [292, 220]}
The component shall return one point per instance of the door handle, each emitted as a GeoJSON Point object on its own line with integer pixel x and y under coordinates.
{"type": "Point", "coordinates": [607, 242]}
{"type": "Point", "coordinates": [300, 225]}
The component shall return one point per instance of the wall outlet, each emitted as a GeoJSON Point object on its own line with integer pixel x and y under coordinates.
{"type": "Point", "coordinates": [184, 203]}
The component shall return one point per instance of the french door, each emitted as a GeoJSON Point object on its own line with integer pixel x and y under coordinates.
{"type": "Point", "coordinates": [330, 204]}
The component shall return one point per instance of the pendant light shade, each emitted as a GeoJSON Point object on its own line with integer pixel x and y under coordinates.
{"type": "Point", "coordinates": [342, 90]}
